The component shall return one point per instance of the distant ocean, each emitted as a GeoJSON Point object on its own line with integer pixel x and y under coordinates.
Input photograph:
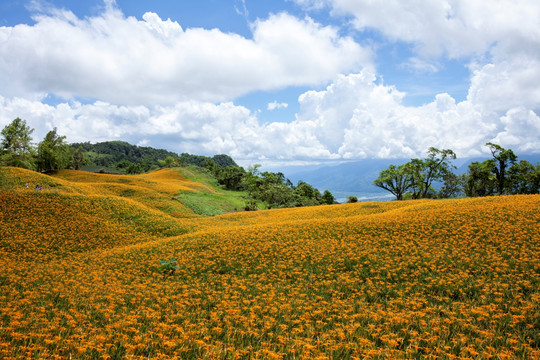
{"type": "Point", "coordinates": [342, 196]}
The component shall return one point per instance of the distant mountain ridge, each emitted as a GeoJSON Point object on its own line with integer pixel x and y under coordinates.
{"type": "Point", "coordinates": [118, 154]}
{"type": "Point", "coordinates": [358, 176]}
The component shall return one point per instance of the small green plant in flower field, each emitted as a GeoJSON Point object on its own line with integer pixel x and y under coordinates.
{"type": "Point", "coordinates": [167, 267]}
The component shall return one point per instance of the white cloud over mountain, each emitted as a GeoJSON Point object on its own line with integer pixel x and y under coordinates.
{"type": "Point", "coordinates": [159, 84]}
{"type": "Point", "coordinates": [354, 117]}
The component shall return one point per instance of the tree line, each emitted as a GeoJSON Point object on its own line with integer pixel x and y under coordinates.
{"type": "Point", "coordinates": [272, 188]}
{"type": "Point", "coordinates": [122, 157]}
{"type": "Point", "coordinates": [500, 175]}
{"type": "Point", "coordinates": [53, 154]}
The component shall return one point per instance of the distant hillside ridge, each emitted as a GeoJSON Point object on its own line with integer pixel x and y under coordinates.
{"type": "Point", "coordinates": [120, 156]}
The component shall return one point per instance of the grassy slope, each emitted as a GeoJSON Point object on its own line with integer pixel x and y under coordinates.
{"type": "Point", "coordinates": [453, 278]}
{"type": "Point", "coordinates": [213, 200]}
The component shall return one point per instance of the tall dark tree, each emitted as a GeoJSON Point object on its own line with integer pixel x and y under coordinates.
{"type": "Point", "coordinates": [16, 147]}
{"type": "Point", "coordinates": [453, 185]}
{"type": "Point", "coordinates": [53, 153]}
{"type": "Point", "coordinates": [307, 195]}
{"type": "Point", "coordinates": [77, 158]}
{"type": "Point", "coordinates": [481, 181]}
{"type": "Point", "coordinates": [523, 178]}
{"type": "Point", "coordinates": [503, 158]}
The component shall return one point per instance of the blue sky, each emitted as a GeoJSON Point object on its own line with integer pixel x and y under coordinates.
{"type": "Point", "coordinates": [296, 81]}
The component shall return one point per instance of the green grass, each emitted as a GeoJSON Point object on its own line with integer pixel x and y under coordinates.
{"type": "Point", "coordinates": [206, 203]}
{"type": "Point", "coordinates": [200, 175]}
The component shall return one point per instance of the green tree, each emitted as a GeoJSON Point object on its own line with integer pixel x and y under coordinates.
{"type": "Point", "coordinates": [77, 158]}
{"type": "Point", "coordinates": [276, 195]}
{"type": "Point", "coordinates": [480, 180]}
{"type": "Point", "coordinates": [231, 177]}
{"type": "Point", "coordinates": [503, 158]}
{"type": "Point", "coordinates": [307, 195]}
{"type": "Point", "coordinates": [172, 161]}
{"type": "Point", "coordinates": [351, 199]}
{"type": "Point", "coordinates": [251, 181]}
{"type": "Point", "coordinates": [53, 153]}
{"type": "Point", "coordinates": [453, 185]}
{"type": "Point", "coordinates": [395, 179]}
{"type": "Point", "coordinates": [134, 168]}
{"type": "Point", "coordinates": [16, 147]}
{"type": "Point", "coordinates": [328, 198]}
{"type": "Point", "coordinates": [524, 178]}
{"type": "Point", "coordinates": [428, 170]}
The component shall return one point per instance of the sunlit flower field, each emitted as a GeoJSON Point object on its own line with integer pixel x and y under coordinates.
{"type": "Point", "coordinates": [79, 277]}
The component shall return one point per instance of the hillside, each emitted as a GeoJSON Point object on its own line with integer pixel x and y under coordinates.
{"type": "Point", "coordinates": [412, 279]}
{"type": "Point", "coordinates": [120, 157]}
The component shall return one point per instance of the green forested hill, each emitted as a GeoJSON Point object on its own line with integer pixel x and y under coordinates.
{"type": "Point", "coordinates": [112, 156]}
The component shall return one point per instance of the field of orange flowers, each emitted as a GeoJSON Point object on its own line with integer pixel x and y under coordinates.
{"type": "Point", "coordinates": [452, 279]}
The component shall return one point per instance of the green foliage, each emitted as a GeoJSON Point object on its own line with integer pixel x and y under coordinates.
{"type": "Point", "coordinates": [251, 205]}
{"type": "Point", "coordinates": [231, 177]}
{"type": "Point", "coordinates": [133, 159]}
{"type": "Point", "coordinates": [480, 180]}
{"type": "Point", "coordinates": [395, 179]}
{"type": "Point", "coordinates": [503, 157]}
{"type": "Point", "coordinates": [328, 198]}
{"type": "Point", "coordinates": [53, 153]}
{"type": "Point", "coordinates": [77, 158]}
{"type": "Point", "coordinates": [524, 178]}
{"type": "Point", "coordinates": [206, 203]}
{"type": "Point", "coordinates": [120, 154]}
{"type": "Point", "coordinates": [453, 185]}
{"type": "Point", "coordinates": [352, 199]}
{"type": "Point", "coordinates": [224, 160]}
{"type": "Point", "coordinates": [502, 175]}
{"type": "Point", "coordinates": [166, 267]}
{"type": "Point", "coordinates": [418, 176]}
{"type": "Point", "coordinates": [16, 147]}
{"type": "Point", "coordinates": [274, 189]}
{"type": "Point", "coordinates": [423, 172]}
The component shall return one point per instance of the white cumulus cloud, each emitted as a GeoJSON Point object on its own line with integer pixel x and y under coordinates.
{"type": "Point", "coordinates": [354, 117]}
{"type": "Point", "coordinates": [124, 60]}
{"type": "Point", "coordinates": [159, 84]}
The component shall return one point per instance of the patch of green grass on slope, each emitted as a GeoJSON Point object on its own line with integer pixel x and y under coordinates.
{"type": "Point", "coordinates": [207, 203]}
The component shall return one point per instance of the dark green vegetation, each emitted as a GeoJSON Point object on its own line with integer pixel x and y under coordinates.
{"type": "Point", "coordinates": [502, 175]}
{"type": "Point", "coordinates": [245, 190]}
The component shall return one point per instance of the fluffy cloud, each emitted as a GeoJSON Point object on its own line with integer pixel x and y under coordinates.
{"type": "Point", "coordinates": [453, 27]}
{"type": "Point", "coordinates": [354, 117]}
{"type": "Point", "coordinates": [502, 42]}
{"type": "Point", "coordinates": [164, 86]}
{"type": "Point", "coordinates": [153, 61]}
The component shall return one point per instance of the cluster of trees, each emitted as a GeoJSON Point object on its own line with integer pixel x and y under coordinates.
{"type": "Point", "coordinates": [497, 176]}
{"type": "Point", "coordinates": [52, 153]}
{"type": "Point", "coordinates": [119, 156]}
{"type": "Point", "coordinates": [125, 158]}
{"type": "Point", "coordinates": [272, 188]}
